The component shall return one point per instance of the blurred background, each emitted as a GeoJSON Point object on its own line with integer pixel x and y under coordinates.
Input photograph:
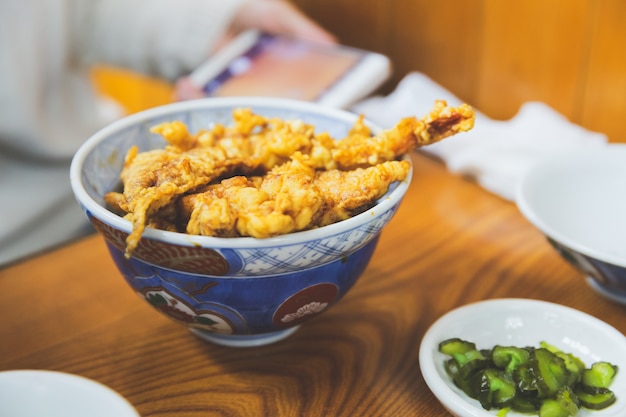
{"type": "Point", "coordinates": [493, 54]}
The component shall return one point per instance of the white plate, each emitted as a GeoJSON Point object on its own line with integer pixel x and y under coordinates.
{"type": "Point", "coordinates": [35, 393]}
{"type": "Point", "coordinates": [521, 322]}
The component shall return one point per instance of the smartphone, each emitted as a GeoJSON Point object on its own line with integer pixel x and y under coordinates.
{"type": "Point", "coordinates": [259, 64]}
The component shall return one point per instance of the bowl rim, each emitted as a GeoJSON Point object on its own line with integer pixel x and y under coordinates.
{"type": "Point", "coordinates": [525, 207]}
{"type": "Point", "coordinates": [461, 405]}
{"type": "Point", "coordinates": [386, 203]}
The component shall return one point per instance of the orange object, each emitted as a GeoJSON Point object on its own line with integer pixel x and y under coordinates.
{"type": "Point", "coordinates": [135, 92]}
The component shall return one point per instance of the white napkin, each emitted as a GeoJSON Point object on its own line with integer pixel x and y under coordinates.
{"type": "Point", "coordinates": [495, 153]}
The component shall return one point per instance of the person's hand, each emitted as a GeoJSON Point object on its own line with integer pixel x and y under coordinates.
{"type": "Point", "coordinates": [279, 17]}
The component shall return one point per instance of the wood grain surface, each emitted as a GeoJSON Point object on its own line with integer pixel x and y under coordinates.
{"type": "Point", "coordinates": [451, 243]}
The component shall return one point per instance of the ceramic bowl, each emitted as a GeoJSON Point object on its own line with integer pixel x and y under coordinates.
{"type": "Point", "coordinates": [231, 291]}
{"type": "Point", "coordinates": [35, 393]}
{"type": "Point", "coordinates": [578, 201]}
{"type": "Point", "coordinates": [520, 322]}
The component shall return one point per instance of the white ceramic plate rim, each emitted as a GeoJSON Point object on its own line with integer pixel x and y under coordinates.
{"type": "Point", "coordinates": [15, 384]}
{"type": "Point", "coordinates": [522, 201]}
{"type": "Point", "coordinates": [456, 402]}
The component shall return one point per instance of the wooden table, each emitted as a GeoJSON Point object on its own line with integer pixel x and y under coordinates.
{"type": "Point", "coordinates": [451, 243]}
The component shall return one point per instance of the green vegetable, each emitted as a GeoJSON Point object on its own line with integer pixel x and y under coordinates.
{"type": "Point", "coordinates": [468, 359]}
{"type": "Point", "coordinates": [568, 401]}
{"type": "Point", "coordinates": [596, 401]}
{"type": "Point", "coordinates": [526, 405]}
{"type": "Point", "coordinates": [599, 376]}
{"type": "Point", "coordinates": [463, 352]}
{"type": "Point", "coordinates": [573, 364]}
{"type": "Point", "coordinates": [525, 377]}
{"type": "Point", "coordinates": [544, 381]}
{"type": "Point", "coordinates": [494, 388]}
{"type": "Point", "coordinates": [553, 408]}
{"type": "Point", "coordinates": [509, 358]}
{"type": "Point", "coordinates": [550, 372]}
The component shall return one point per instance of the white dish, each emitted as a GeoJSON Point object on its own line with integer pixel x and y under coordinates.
{"type": "Point", "coordinates": [37, 393]}
{"type": "Point", "coordinates": [577, 200]}
{"type": "Point", "coordinates": [521, 322]}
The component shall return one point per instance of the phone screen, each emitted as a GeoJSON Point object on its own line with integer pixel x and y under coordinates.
{"type": "Point", "coordinates": [283, 67]}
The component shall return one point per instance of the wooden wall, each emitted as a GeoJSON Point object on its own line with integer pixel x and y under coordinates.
{"type": "Point", "coordinates": [495, 54]}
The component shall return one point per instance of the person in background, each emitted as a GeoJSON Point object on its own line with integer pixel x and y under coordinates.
{"type": "Point", "coordinates": [48, 105]}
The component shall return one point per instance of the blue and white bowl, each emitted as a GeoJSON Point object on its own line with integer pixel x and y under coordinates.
{"type": "Point", "coordinates": [231, 291]}
{"type": "Point", "coordinates": [578, 201]}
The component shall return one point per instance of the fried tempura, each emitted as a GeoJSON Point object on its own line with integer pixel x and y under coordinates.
{"type": "Point", "coordinates": [291, 197]}
{"type": "Point", "coordinates": [348, 193]}
{"type": "Point", "coordinates": [153, 180]}
{"type": "Point", "coordinates": [263, 177]}
{"type": "Point", "coordinates": [284, 200]}
{"type": "Point", "coordinates": [361, 149]}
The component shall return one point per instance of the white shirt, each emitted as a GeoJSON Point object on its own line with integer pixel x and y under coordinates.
{"type": "Point", "coordinates": [48, 107]}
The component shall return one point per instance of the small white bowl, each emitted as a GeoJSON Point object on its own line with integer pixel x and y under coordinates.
{"type": "Point", "coordinates": [578, 201]}
{"type": "Point", "coordinates": [521, 322]}
{"type": "Point", "coordinates": [35, 393]}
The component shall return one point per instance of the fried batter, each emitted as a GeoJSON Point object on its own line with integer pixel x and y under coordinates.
{"type": "Point", "coordinates": [282, 201]}
{"type": "Point", "coordinates": [291, 197]}
{"type": "Point", "coordinates": [154, 179]}
{"type": "Point", "coordinates": [361, 149]}
{"type": "Point", "coordinates": [263, 177]}
{"type": "Point", "coordinates": [349, 193]}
